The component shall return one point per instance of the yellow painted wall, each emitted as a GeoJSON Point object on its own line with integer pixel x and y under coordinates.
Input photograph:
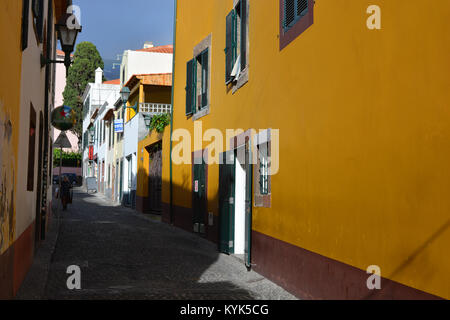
{"type": "Point", "coordinates": [364, 129]}
{"type": "Point", "coordinates": [151, 94]}
{"type": "Point", "coordinates": [130, 113]}
{"type": "Point", "coordinates": [11, 58]}
{"type": "Point", "coordinates": [144, 159]}
{"type": "Point", "coordinates": [148, 93]}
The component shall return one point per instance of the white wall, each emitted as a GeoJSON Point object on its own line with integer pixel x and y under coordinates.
{"type": "Point", "coordinates": [32, 91]}
{"type": "Point", "coordinates": [239, 208]}
{"type": "Point", "coordinates": [131, 136]}
{"type": "Point", "coordinates": [138, 62]}
{"type": "Point", "coordinates": [97, 95]}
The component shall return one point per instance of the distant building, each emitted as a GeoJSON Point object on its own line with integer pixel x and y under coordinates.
{"type": "Point", "coordinates": [151, 94]}
{"type": "Point", "coordinates": [60, 84]}
{"type": "Point", "coordinates": [97, 128]}
{"type": "Point", "coordinates": [111, 156]}
{"type": "Point", "coordinates": [147, 60]}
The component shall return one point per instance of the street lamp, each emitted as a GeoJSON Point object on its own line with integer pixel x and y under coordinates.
{"type": "Point", "coordinates": [67, 37]}
{"type": "Point", "coordinates": [148, 120]}
{"type": "Point", "coordinates": [125, 95]}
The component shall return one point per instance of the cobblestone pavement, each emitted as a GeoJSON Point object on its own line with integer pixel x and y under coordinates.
{"type": "Point", "coordinates": [127, 255]}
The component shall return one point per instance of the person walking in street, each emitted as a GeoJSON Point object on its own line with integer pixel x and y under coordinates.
{"type": "Point", "coordinates": [65, 192]}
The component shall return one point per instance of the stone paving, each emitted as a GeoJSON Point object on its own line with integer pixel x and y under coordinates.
{"type": "Point", "coordinates": [123, 254]}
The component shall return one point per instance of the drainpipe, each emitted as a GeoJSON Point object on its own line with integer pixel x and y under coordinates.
{"type": "Point", "coordinates": [171, 116]}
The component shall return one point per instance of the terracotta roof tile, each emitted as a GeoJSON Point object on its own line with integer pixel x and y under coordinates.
{"type": "Point", "coordinates": [160, 49]}
{"type": "Point", "coordinates": [115, 81]}
{"type": "Point", "coordinates": [156, 79]}
{"type": "Point", "coordinates": [61, 53]}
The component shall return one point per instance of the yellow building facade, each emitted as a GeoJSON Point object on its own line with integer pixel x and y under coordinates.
{"type": "Point", "coordinates": [151, 95]}
{"type": "Point", "coordinates": [353, 98]}
{"type": "Point", "coordinates": [11, 18]}
{"type": "Point", "coordinates": [26, 95]}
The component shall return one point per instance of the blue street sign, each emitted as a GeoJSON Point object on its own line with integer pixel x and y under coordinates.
{"type": "Point", "coordinates": [118, 126]}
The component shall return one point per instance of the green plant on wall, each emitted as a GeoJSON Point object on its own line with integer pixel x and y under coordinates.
{"type": "Point", "coordinates": [69, 159]}
{"type": "Point", "coordinates": [159, 122]}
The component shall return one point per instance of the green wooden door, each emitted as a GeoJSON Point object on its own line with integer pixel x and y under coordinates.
{"type": "Point", "coordinates": [226, 204]}
{"type": "Point", "coordinates": [199, 197]}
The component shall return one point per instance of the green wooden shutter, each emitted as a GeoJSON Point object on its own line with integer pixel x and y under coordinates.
{"type": "Point", "coordinates": [224, 227]}
{"type": "Point", "coordinates": [243, 34]}
{"type": "Point", "coordinates": [294, 10]}
{"type": "Point", "coordinates": [40, 20]}
{"type": "Point", "coordinates": [226, 204]}
{"type": "Point", "coordinates": [25, 17]}
{"type": "Point", "coordinates": [49, 29]}
{"type": "Point", "coordinates": [302, 7]}
{"type": "Point", "coordinates": [229, 45]}
{"type": "Point", "coordinates": [189, 86]}
{"type": "Point", "coordinates": [205, 78]}
{"type": "Point", "coordinates": [194, 86]}
{"type": "Point", "coordinates": [199, 197]}
{"type": "Point", "coordinates": [35, 7]}
{"type": "Point", "coordinates": [289, 12]}
{"type": "Point", "coordinates": [234, 42]}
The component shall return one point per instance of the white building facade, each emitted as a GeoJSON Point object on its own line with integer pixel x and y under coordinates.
{"type": "Point", "coordinates": [96, 130]}
{"type": "Point", "coordinates": [148, 60]}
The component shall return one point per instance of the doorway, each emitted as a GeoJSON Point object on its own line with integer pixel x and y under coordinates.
{"type": "Point", "coordinates": [235, 203]}
{"type": "Point", "coordinates": [40, 214]}
{"type": "Point", "coordinates": [199, 197]}
{"type": "Point", "coordinates": [121, 181]}
{"type": "Point", "coordinates": [116, 183]}
{"type": "Point", "coordinates": [155, 178]}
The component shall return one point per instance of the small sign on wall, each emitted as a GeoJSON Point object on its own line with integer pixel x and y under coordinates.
{"type": "Point", "coordinates": [210, 218]}
{"type": "Point", "coordinates": [91, 152]}
{"type": "Point", "coordinates": [118, 125]}
{"type": "Point", "coordinates": [196, 186]}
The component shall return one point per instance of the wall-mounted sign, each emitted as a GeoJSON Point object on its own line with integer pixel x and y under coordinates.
{"type": "Point", "coordinates": [196, 186]}
{"type": "Point", "coordinates": [62, 141]}
{"type": "Point", "coordinates": [118, 126]}
{"type": "Point", "coordinates": [63, 118]}
{"type": "Point", "coordinates": [91, 152]}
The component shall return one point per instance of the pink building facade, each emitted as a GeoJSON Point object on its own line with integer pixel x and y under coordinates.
{"type": "Point", "coordinates": [60, 84]}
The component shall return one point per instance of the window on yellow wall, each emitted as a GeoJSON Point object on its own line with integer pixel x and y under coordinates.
{"type": "Point", "coordinates": [263, 168]}
{"type": "Point", "coordinates": [197, 80]}
{"type": "Point", "coordinates": [294, 10]}
{"type": "Point", "coordinates": [295, 17]}
{"type": "Point", "coordinates": [262, 176]}
{"type": "Point", "coordinates": [38, 17]}
{"type": "Point", "coordinates": [236, 52]}
{"type": "Point", "coordinates": [25, 16]}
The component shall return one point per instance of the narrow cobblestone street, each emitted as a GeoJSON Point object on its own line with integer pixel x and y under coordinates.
{"type": "Point", "coordinates": [126, 255]}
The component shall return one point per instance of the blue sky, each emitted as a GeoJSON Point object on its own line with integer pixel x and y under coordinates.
{"type": "Point", "coordinates": [117, 25]}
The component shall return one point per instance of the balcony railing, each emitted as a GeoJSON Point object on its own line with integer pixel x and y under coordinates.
{"type": "Point", "coordinates": [155, 108]}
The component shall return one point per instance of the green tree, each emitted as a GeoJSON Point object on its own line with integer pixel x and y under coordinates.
{"type": "Point", "coordinates": [85, 61]}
